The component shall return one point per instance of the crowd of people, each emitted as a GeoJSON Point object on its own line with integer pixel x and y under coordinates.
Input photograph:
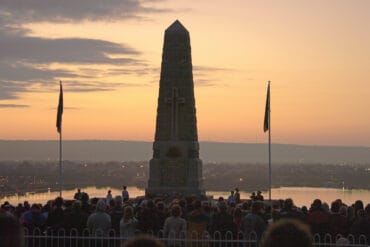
{"type": "Point", "coordinates": [175, 216]}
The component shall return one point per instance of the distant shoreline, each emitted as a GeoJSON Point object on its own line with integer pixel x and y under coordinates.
{"type": "Point", "coordinates": [116, 150]}
{"type": "Point", "coordinates": [300, 195]}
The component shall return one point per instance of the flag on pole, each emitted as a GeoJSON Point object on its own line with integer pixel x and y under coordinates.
{"type": "Point", "coordinates": [60, 109]}
{"type": "Point", "coordinates": [266, 123]}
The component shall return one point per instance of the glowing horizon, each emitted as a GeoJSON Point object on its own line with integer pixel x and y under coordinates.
{"type": "Point", "coordinates": [315, 53]}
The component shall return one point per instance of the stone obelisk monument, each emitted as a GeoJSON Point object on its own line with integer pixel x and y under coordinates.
{"type": "Point", "coordinates": [175, 166]}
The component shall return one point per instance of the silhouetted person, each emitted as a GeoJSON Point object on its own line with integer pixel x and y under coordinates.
{"type": "Point", "coordinates": [78, 195]}
{"type": "Point", "coordinates": [116, 214]}
{"type": "Point", "coordinates": [19, 210]}
{"type": "Point", "coordinates": [197, 222]}
{"type": "Point", "coordinates": [287, 233]}
{"type": "Point", "coordinates": [361, 224]}
{"type": "Point", "coordinates": [223, 222]}
{"type": "Point", "coordinates": [148, 218]}
{"type": "Point", "coordinates": [125, 194]}
{"type": "Point", "coordinates": [109, 198]}
{"type": "Point", "coordinates": [237, 195]}
{"type": "Point", "coordinates": [99, 222]}
{"type": "Point", "coordinates": [33, 219]}
{"type": "Point", "coordinates": [161, 212]}
{"type": "Point", "coordinates": [75, 219]}
{"type": "Point", "coordinates": [318, 218]}
{"type": "Point", "coordinates": [337, 222]}
{"type": "Point", "coordinates": [56, 216]}
{"type": "Point", "coordinates": [11, 233]}
{"type": "Point", "coordinates": [253, 196]}
{"type": "Point", "coordinates": [254, 221]}
{"type": "Point", "coordinates": [174, 226]}
{"type": "Point", "coordinates": [85, 206]}
{"type": "Point", "coordinates": [290, 211]}
{"type": "Point", "coordinates": [129, 223]}
{"type": "Point", "coordinates": [259, 196]}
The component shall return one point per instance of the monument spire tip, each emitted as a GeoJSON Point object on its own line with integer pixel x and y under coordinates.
{"type": "Point", "coordinates": [176, 27]}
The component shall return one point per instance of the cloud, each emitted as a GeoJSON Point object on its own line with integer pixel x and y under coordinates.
{"type": "Point", "coordinates": [11, 89]}
{"type": "Point", "coordinates": [73, 51]}
{"type": "Point", "coordinates": [97, 86]}
{"type": "Point", "coordinates": [13, 106]}
{"type": "Point", "coordinates": [24, 72]}
{"type": "Point", "coordinates": [206, 76]}
{"type": "Point", "coordinates": [25, 62]}
{"type": "Point", "coordinates": [210, 69]}
{"type": "Point", "coordinates": [22, 11]}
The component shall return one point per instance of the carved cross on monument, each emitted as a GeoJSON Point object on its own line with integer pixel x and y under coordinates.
{"type": "Point", "coordinates": [174, 100]}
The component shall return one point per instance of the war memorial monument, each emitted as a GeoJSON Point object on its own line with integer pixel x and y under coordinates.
{"type": "Point", "coordinates": [175, 166]}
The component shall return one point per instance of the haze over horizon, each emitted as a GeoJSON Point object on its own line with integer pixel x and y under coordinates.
{"type": "Point", "coordinates": [315, 53]}
{"type": "Point", "coordinates": [246, 153]}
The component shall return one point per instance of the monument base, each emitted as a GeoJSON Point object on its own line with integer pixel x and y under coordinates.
{"type": "Point", "coordinates": [176, 170]}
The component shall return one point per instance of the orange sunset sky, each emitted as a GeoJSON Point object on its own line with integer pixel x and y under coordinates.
{"type": "Point", "coordinates": [108, 54]}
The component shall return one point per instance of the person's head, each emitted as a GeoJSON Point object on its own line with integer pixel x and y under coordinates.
{"type": "Point", "coordinates": [79, 190]}
{"type": "Point", "coordinates": [11, 233]}
{"type": "Point", "coordinates": [76, 206]}
{"type": "Point", "coordinates": [237, 212]}
{"type": "Point", "coordinates": [316, 205]}
{"type": "Point", "coordinates": [287, 233]}
{"type": "Point", "coordinates": [100, 206]}
{"type": "Point", "coordinates": [259, 192]}
{"type": "Point", "coordinates": [143, 241]}
{"type": "Point", "coordinates": [160, 206]}
{"type": "Point", "coordinates": [335, 206]}
{"type": "Point", "coordinates": [84, 197]}
{"type": "Point", "coordinates": [197, 204]}
{"type": "Point", "coordinates": [35, 207]}
{"type": "Point", "coordinates": [304, 210]}
{"type": "Point", "coordinates": [288, 204]}
{"type": "Point", "coordinates": [343, 211]}
{"type": "Point", "coordinates": [124, 187]}
{"type": "Point", "coordinates": [128, 213]}
{"type": "Point", "coordinates": [58, 202]}
{"type": "Point", "coordinates": [257, 207]}
{"type": "Point", "coordinates": [176, 210]}
{"type": "Point", "coordinates": [26, 205]}
{"type": "Point", "coordinates": [236, 190]}
{"type": "Point", "coordinates": [275, 206]}
{"type": "Point", "coordinates": [367, 209]}
{"type": "Point", "coordinates": [118, 201]}
{"type": "Point", "coordinates": [222, 207]}
{"type": "Point", "coordinates": [182, 203]}
{"type": "Point", "coordinates": [325, 207]}
{"type": "Point", "coordinates": [358, 205]}
{"type": "Point", "coordinates": [231, 192]}
{"type": "Point", "coordinates": [109, 192]}
{"type": "Point", "coordinates": [112, 203]}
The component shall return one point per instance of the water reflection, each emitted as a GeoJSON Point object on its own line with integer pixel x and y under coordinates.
{"type": "Point", "coordinates": [300, 195]}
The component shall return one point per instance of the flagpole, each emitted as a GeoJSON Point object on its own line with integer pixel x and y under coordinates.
{"type": "Point", "coordinates": [269, 143]}
{"type": "Point", "coordinates": [60, 163]}
{"type": "Point", "coordinates": [59, 129]}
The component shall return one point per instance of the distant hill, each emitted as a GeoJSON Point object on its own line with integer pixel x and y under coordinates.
{"type": "Point", "coordinates": [209, 152]}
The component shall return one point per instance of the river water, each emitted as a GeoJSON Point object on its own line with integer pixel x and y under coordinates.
{"type": "Point", "coordinates": [300, 195]}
